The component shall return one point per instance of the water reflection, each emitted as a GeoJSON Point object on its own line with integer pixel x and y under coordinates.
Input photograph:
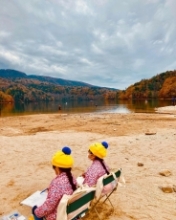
{"type": "Point", "coordinates": [145, 106]}
{"type": "Point", "coordinates": [120, 106]}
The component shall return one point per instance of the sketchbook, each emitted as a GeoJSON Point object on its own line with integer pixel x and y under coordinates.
{"type": "Point", "coordinates": [37, 198]}
{"type": "Point", "coordinates": [14, 216]}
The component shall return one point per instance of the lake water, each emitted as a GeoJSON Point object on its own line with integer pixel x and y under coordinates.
{"type": "Point", "coordinates": [83, 107]}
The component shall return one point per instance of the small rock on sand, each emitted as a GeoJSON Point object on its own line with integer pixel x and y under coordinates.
{"type": "Point", "coordinates": [174, 188]}
{"type": "Point", "coordinates": [166, 188]}
{"type": "Point", "coordinates": [165, 173]}
{"type": "Point", "coordinates": [140, 164]}
{"type": "Point", "coordinates": [150, 133]}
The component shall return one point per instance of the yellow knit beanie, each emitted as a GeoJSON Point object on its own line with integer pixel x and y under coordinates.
{"type": "Point", "coordinates": [99, 149]}
{"type": "Point", "coordinates": [62, 158]}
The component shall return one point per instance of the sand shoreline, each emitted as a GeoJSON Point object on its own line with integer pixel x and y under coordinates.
{"type": "Point", "coordinates": [166, 110]}
{"type": "Point", "coordinates": [28, 142]}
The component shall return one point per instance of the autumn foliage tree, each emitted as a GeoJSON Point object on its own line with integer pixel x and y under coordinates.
{"type": "Point", "coordinates": [161, 86]}
{"type": "Point", "coordinates": [5, 97]}
{"type": "Point", "coordinates": [169, 88]}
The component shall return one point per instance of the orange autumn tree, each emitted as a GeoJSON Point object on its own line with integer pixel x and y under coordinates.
{"type": "Point", "coordinates": [5, 97]}
{"type": "Point", "coordinates": [169, 88]}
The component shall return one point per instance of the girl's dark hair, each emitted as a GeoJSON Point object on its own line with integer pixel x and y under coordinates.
{"type": "Point", "coordinates": [102, 163]}
{"type": "Point", "coordinates": [69, 175]}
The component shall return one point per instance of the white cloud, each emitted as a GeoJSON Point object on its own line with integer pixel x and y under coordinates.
{"type": "Point", "coordinates": [95, 49]}
{"type": "Point", "coordinates": [82, 7]}
{"type": "Point", "coordinates": [10, 57]}
{"type": "Point", "coordinates": [86, 61]}
{"type": "Point", "coordinates": [138, 63]}
{"type": "Point", "coordinates": [4, 34]}
{"type": "Point", "coordinates": [107, 43]}
{"type": "Point", "coordinates": [152, 1]}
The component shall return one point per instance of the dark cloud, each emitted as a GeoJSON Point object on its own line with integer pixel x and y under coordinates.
{"type": "Point", "coordinates": [102, 42]}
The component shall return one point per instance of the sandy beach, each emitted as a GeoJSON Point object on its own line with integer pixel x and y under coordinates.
{"type": "Point", "coordinates": [143, 145]}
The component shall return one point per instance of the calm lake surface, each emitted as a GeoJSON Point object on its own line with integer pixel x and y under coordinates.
{"type": "Point", "coordinates": [82, 107]}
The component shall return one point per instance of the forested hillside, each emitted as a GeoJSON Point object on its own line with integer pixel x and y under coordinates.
{"type": "Point", "coordinates": [161, 86]}
{"type": "Point", "coordinates": [19, 87]}
{"type": "Point", "coordinates": [14, 74]}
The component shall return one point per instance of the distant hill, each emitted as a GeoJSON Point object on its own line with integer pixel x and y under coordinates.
{"type": "Point", "coordinates": [161, 86]}
{"type": "Point", "coordinates": [14, 74]}
{"type": "Point", "coordinates": [11, 74]}
{"type": "Point", "coordinates": [20, 87]}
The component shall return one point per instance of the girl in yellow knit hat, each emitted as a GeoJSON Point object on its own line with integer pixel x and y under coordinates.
{"type": "Point", "coordinates": [97, 152]}
{"type": "Point", "coordinates": [63, 183]}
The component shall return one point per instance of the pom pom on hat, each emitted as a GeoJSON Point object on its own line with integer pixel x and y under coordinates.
{"type": "Point", "coordinates": [105, 144]}
{"type": "Point", "coordinates": [66, 150]}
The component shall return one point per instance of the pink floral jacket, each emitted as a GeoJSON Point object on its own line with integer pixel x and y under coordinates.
{"type": "Point", "coordinates": [59, 186]}
{"type": "Point", "coordinates": [94, 172]}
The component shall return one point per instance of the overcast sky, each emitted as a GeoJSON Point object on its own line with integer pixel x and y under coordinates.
{"type": "Point", "coordinates": [102, 42]}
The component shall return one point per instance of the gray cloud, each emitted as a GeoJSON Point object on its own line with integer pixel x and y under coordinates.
{"type": "Point", "coordinates": [102, 42]}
